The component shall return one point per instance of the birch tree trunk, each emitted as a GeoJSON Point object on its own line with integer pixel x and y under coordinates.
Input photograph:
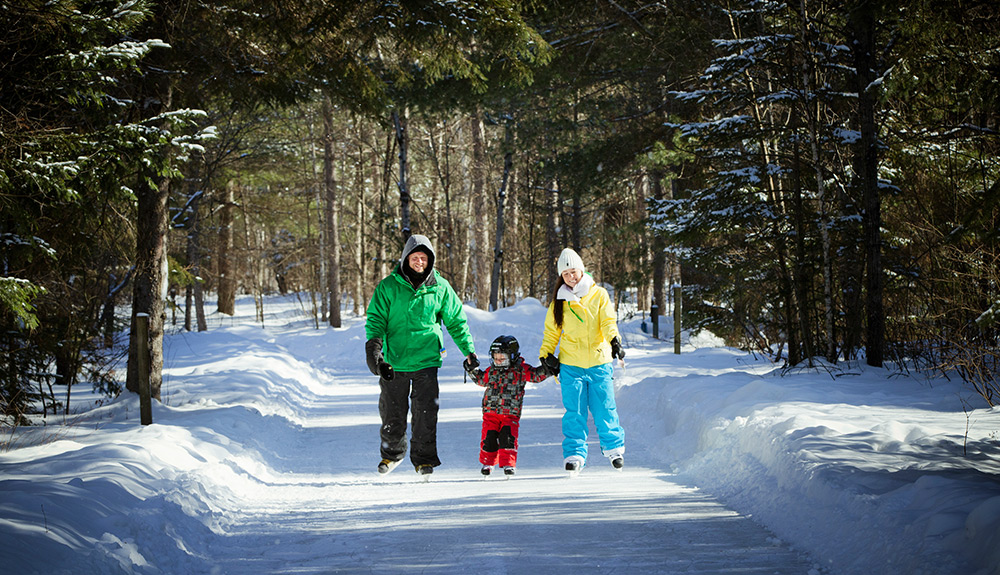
{"type": "Point", "coordinates": [227, 280]}
{"type": "Point", "coordinates": [441, 156]}
{"type": "Point", "coordinates": [501, 197]}
{"type": "Point", "coordinates": [480, 243]}
{"type": "Point", "coordinates": [331, 215]}
{"type": "Point", "coordinates": [552, 224]}
{"type": "Point", "coordinates": [383, 177]}
{"type": "Point", "coordinates": [194, 300]}
{"type": "Point", "coordinates": [322, 276]}
{"type": "Point", "coordinates": [359, 236]}
{"type": "Point", "coordinates": [467, 236]}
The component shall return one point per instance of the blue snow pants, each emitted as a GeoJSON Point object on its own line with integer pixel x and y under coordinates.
{"type": "Point", "coordinates": [590, 389]}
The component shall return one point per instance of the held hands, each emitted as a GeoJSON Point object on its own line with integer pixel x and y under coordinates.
{"type": "Point", "coordinates": [550, 363]}
{"type": "Point", "coordinates": [471, 363]}
{"type": "Point", "coordinates": [616, 349]}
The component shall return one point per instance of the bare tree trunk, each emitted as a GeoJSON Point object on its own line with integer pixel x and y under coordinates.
{"type": "Point", "coordinates": [108, 313]}
{"type": "Point", "coordinates": [514, 245]}
{"type": "Point", "coordinates": [501, 197]}
{"type": "Point", "coordinates": [148, 293]}
{"type": "Point", "coordinates": [674, 276]}
{"type": "Point", "coordinates": [466, 234]}
{"type": "Point", "coordinates": [644, 260]}
{"type": "Point", "coordinates": [253, 249]}
{"type": "Point", "coordinates": [802, 275]}
{"type": "Point", "coordinates": [359, 235]}
{"type": "Point", "coordinates": [530, 191]}
{"type": "Point", "coordinates": [786, 287]}
{"type": "Point", "coordinates": [332, 214]}
{"type": "Point", "coordinates": [402, 139]}
{"type": "Point", "coordinates": [194, 301]}
{"type": "Point", "coordinates": [552, 224]}
{"type": "Point", "coordinates": [480, 202]}
{"type": "Point", "coordinates": [227, 281]}
{"type": "Point", "coordinates": [813, 113]}
{"type": "Point", "coordinates": [322, 276]}
{"type": "Point", "coordinates": [659, 256]}
{"type": "Point", "coordinates": [861, 21]}
{"type": "Point", "coordinates": [577, 223]}
{"type": "Point", "coordinates": [441, 156]}
{"type": "Point", "coordinates": [383, 177]}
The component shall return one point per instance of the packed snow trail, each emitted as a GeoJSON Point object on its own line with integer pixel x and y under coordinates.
{"type": "Point", "coordinates": [262, 460]}
{"type": "Point", "coordinates": [329, 511]}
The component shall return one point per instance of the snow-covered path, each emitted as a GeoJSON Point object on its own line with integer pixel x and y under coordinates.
{"type": "Point", "coordinates": [262, 455]}
{"type": "Point", "coordinates": [329, 512]}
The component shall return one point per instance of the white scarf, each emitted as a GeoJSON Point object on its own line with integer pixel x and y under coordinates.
{"type": "Point", "coordinates": [574, 294]}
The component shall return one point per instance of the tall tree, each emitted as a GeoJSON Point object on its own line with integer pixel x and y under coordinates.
{"type": "Point", "coordinates": [862, 19]}
{"type": "Point", "coordinates": [500, 200]}
{"type": "Point", "coordinates": [69, 146]}
{"type": "Point", "coordinates": [331, 220]}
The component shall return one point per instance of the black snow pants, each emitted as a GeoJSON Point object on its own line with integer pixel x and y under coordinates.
{"type": "Point", "coordinates": [422, 387]}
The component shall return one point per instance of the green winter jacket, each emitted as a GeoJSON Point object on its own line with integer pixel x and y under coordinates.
{"type": "Point", "coordinates": [408, 319]}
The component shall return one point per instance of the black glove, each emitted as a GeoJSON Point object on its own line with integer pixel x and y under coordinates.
{"type": "Point", "coordinates": [616, 348]}
{"type": "Point", "coordinates": [385, 371]}
{"type": "Point", "coordinates": [373, 355]}
{"type": "Point", "coordinates": [471, 363]}
{"type": "Point", "coordinates": [550, 363]}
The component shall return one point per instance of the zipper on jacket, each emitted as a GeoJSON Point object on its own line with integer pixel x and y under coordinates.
{"type": "Point", "coordinates": [570, 306]}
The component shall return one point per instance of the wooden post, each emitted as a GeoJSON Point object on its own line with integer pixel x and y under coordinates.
{"type": "Point", "coordinates": [677, 320]}
{"type": "Point", "coordinates": [142, 345]}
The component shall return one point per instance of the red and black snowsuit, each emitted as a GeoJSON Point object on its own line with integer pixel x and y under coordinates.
{"type": "Point", "coordinates": [502, 409]}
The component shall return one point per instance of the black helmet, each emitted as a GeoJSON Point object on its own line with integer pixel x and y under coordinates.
{"type": "Point", "coordinates": [507, 345]}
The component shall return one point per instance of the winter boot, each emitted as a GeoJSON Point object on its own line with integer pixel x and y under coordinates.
{"type": "Point", "coordinates": [425, 469]}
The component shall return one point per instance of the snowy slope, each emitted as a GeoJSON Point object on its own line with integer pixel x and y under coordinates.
{"type": "Point", "coordinates": [262, 456]}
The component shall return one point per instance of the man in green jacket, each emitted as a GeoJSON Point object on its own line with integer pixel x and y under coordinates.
{"type": "Point", "coordinates": [405, 348]}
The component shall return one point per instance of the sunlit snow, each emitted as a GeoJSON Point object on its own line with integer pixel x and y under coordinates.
{"type": "Point", "coordinates": [262, 459]}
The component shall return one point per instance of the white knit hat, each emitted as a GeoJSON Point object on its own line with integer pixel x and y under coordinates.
{"type": "Point", "coordinates": [569, 259]}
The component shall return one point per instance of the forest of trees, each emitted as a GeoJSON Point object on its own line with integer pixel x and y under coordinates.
{"type": "Point", "coordinates": [821, 178]}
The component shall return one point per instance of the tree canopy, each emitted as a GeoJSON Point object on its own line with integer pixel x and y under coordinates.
{"type": "Point", "coordinates": [820, 177]}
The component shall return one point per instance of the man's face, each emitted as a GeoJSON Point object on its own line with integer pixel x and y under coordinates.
{"type": "Point", "coordinates": [417, 261]}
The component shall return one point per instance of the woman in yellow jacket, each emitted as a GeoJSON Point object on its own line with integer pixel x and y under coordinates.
{"type": "Point", "coordinates": [581, 321]}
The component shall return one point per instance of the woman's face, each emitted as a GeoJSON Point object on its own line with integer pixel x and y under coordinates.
{"type": "Point", "coordinates": [572, 277]}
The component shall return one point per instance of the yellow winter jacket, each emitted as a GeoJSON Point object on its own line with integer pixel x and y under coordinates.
{"type": "Point", "coordinates": [588, 327]}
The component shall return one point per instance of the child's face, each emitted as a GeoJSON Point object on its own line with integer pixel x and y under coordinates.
{"type": "Point", "coordinates": [501, 359]}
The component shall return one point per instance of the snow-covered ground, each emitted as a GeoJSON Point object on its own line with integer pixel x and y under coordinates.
{"type": "Point", "coordinates": [262, 457]}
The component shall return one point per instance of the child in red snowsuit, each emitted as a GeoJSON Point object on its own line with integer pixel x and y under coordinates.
{"type": "Point", "coordinates": [504, 381]}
